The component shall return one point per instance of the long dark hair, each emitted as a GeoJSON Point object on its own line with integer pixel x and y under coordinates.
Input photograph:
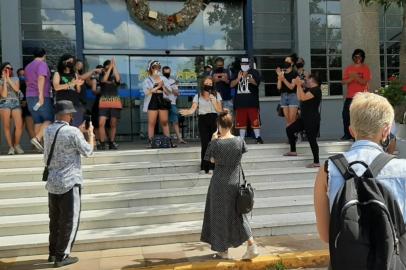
{"type": "Point", "coordinates": [62, 65]}
{"type": "Point", "coordinates": [3, 66]}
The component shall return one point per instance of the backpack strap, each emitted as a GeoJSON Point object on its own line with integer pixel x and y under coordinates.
{"type": "Point", "coordinates": [342, 165]}
{"type": "Point", "coordinates": [378, 164]}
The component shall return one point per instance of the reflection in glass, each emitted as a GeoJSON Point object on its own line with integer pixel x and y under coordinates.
{"type": "Point", "coordinates": [334, 21]}
{"type": "Point", "coordinates": [318, 6]}
{"type": "Point", "coordinates": [334, 7]}
{"type": "Point", "coordinates": [393, 34]}
{"type": "Point", "coordinates": [108, 26]}
{"type": "Point", "coordinates": [48, 16]}
{"type": "Point", "coordinates": [318, 26]}
{"type": "Point", "coordinates": [277, 6]}
{"type": "Point", "coordinates": [54, 4]}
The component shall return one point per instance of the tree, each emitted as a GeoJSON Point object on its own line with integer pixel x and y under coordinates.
{"type": "Point", "coordinates": [401, 3]}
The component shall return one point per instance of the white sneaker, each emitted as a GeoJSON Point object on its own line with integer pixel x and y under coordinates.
{"type": "Point", "coordinates": [18, 149]}
{"type": "Point", "coordinates": [37, 144]}
{"type": "Point", "coordinates": [11, 151]}
{"type": "Point", "coordinates": [251, 253]}
{"type": "Point", "coordinates": [222, 255]}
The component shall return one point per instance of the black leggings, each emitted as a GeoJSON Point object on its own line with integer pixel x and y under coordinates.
{"type": "Point", "coordinates": [312, 126]}
{"type": "Point", "coordinates": [346, 117]}
{"type": "Point", "coordinates": [207, 126]}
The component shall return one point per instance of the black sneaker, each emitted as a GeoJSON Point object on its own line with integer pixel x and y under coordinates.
{"type": "Point", "coordinates": [260, 141]}
{"type": "Point", "coordinates": [346, 138]}
{"type": "Point", "coordinates": [51, 258]}
{"type": "Point", "coordinates": [65, 262]}
{"type": "Point", "coordinates": [113, 146]}
{"type": "Point", "coordinates": [101, 146]}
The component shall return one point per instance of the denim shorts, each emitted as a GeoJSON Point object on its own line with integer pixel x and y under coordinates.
{"type": "Point", "coordinates": [173, 115]}
{"type": "Point", "coordinates": [44, 113]}
{"type": "Point", "coordinates": [10, 104]}
{"type": "Point", "coordinates": [289, 100]}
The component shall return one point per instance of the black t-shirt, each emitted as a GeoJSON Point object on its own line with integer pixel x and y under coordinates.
{"type": "Point", "coordinates": [83, 94]}
{"type": "Point", "coordinates": [109, 88]}
{"type": "Point", "coordinates": [248, 98]}
{"type": "Point", "coordinates": [23, 88]}
{"type": "Point", "coordinates": [289, 77]}
{"type": "Point", "coordinates": [311, 107]}
{"type": "Point", "coordinates": [70, 94]}
{"type": "Point", "coordinates": [223, 87]}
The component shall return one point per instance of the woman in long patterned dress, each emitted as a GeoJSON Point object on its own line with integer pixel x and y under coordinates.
{"type": "Point", "coordinates": [223, 226]}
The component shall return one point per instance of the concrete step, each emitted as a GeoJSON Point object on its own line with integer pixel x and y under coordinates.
{"type": "Point", "coordinates": [136, 198]}
{"type": "Point", "coordinates": [120, 237]}
{"type": "Point", "coordinates": [149, 215]}
{"type": "Point", "coordinates": [157, 155]}
{"type": "Point", "coordinates": [153, 168]}
{"type": "Point", "coordinates": [115, 184]}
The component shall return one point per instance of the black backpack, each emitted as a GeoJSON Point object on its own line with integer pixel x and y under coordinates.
{"type": "Point", "coordinates": [367, 230]}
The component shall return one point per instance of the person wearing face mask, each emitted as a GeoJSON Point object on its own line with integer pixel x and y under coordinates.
{"type": "Point", "coordinates": [67, 85]}
{"type": "Point", "coordinates": [221, 78]}
{"type": "Point", "coordinates": [109, 104]}
{"type": "Point", "coordinates": [173, 96]}
{"type": "Point", "coordinates": [289, 101]}
{"type": "Point", "coordinates": [28, 122]}
{"type": "Point", "coordinates": [156, 89]}
{"type": "Point", "coordinates": [309, 120]}
{"type": "Point", "coordinates": [208, 105]}
{"type": "Point", "coordinates": [356, 77]}
{"type": "Point", "coordinates": [246, 100]}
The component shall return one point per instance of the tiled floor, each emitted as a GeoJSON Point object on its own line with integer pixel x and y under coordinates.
{"type": "Point", "coordinates": [130, 258]}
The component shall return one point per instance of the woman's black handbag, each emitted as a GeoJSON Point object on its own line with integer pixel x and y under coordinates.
{"type": "Point", "coordinates": [245, 197]}
{"type": "Point", "coordinates": [279, 110]}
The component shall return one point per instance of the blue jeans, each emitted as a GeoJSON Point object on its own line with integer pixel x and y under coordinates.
{"type": "Point", "coordinates": [10, 104]}
{"type": "Point", "coordinates": [289, 100]}
{"type": "Point", "coordinates": [45, 113]}
{"type": "Point", "coordinates": [173, 115]}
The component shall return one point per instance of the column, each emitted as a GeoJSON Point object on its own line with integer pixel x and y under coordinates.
{"type": "Point", "coordinates": [360, 29]}
{"type": "Point", "coordinates": [303, 31]}
{"type": "Point", "coordinates": [11, 32]}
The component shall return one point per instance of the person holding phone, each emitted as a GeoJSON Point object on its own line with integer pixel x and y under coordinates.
{"type": "Point", "coordinates": [65, 180]}
{"type": "Point", "coordinates": [208, 105]}
{"type": "Point", "coordinates": [10, 108]}
{"type": "Point", "coordinates": [40, 103]}
{"type": "Point", "coordinates": [156, 87]}
{"type": "Point", "coordinates": [222, 79]}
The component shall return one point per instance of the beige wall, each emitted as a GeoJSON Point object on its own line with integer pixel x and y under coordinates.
{"type": "Point", "coordinates": [360, 30]}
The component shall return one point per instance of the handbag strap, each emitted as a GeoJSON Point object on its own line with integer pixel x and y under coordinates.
{"type": "Point", "coordinates": [241, 169]}
{"type": "Point", "coordinates": [51, 152]}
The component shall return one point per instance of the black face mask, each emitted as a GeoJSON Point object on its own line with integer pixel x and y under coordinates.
{"type": "Point", "coordinates": [287, 65]}
{"type": "Point", "coordinates": [70, 65]}
{"type": "Point", "coordinates": [208, 88]}
{"type": "Point", "coordinates": [167, 75]}
{"type": "Point", "coordinates": [300, 65]}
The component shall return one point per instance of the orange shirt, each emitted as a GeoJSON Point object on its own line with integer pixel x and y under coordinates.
{"type": "Point", "coordinates": [354, 86]}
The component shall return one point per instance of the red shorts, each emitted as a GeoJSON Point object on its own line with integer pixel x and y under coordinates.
{"type": "Point", "coordinates": [245, 116]}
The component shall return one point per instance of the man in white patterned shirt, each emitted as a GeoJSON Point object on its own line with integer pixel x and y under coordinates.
{"type": "Point", "coordinates": [65, 180]}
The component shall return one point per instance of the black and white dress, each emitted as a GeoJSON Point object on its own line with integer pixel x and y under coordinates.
{"type": "Point", "coordinates": [223, 227]}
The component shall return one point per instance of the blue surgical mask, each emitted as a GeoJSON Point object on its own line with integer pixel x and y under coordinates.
{"type": "Point", "coordinates": [22, 78]}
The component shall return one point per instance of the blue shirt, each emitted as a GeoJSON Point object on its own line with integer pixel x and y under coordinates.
{"type": "Point", "coordinates": [65, 170]}
{"type": "Point", "coordinates": [392, 176]}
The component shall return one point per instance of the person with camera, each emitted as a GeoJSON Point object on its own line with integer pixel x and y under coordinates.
{"type": "Point", "coordinates": [223, 226]}
{"type": "Point", "coordinates": [221, 79]}
{"type": "Point", "coordinates": [289, 101]}
{"type": "Point", "coordinates": [156, 103]}
{"type": "Point", "coordinates": [64, 181]}
{"type": "Point", "coordinates": [10, 108]}
{"type": "Point", "coordinates": [309, 119]}
{"type": "Point", "coordinates": [208, 105]}
{"type": "Point", "coordinates": [246, 100]}
{"type": "Point", "coordinates": [109, 103]}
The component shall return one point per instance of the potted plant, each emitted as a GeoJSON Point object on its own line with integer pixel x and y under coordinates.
{"type": "Point", "coordinates": [395, 93]}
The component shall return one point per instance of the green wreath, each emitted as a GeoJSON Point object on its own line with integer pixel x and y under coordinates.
{"type": "Point", "coordinates": [163, 24]}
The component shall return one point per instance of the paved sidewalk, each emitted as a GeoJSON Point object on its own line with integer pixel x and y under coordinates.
{"type": "Point", "coordinates": [164, 255]}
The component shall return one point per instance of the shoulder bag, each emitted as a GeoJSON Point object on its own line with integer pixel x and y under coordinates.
{"type": "Point", "coordinates": [51, 152]}
{"type": "Point", "coordinates": [245, 196]}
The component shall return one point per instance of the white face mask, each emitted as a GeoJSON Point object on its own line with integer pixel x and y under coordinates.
{"type": "Point", "coordinates": [157, 72]}
{"type": "Point", "coordinates": [245, 68]}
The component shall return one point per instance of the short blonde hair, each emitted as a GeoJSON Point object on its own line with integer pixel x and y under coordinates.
{"type": "Point", "coordinates": [369, 113]}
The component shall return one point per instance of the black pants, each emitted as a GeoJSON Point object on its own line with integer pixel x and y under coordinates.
{"type": "Point", "coordinates": [311, 125]}
{"type": "Point", "coordinates": [64, 216]}
{"type": "Point", "coordinates": [207, 126]}
{"type": "Point", "coordinates": [346, 117]}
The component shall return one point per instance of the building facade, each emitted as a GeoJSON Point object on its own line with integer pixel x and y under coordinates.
{"type": "Point", "coordinates": [267, 30]}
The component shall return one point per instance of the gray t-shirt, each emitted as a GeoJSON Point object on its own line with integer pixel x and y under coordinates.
{"type": "Point", "coordinates": [205, 106]}
{"type": "Point", "coordinates": [11, 94]}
